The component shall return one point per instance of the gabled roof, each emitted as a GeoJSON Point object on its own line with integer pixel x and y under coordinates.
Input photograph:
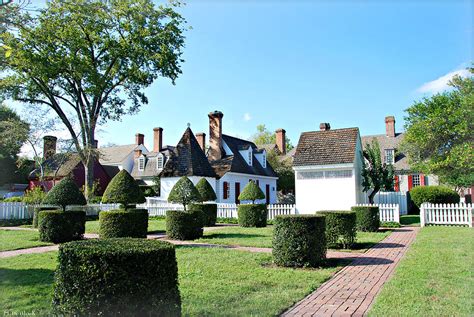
{"type": "Point", "coordinates": [116, 154]}
{"type": "Point", "coordinates": [187, 159]}
{"type": "Point", "coordinates": [385, 142]}
{"type": "Point", "coordinates": [60, 165]}
{"type": "Point", "coordinates": [151, 166]}
{"type": "Point", "coordinates": [327, 147]}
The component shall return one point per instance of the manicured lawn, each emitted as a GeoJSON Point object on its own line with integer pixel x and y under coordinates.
{"type": "Point", "coordinates": [410, 220]}
{"type": "Point", "coordinates": [154, 225]}
{"type": "Point", "coordinates": [436, 277]}
{"type": "Point", "coordinates": [212, 282]}
{"type": "Point", "coordinates": [19, 239]}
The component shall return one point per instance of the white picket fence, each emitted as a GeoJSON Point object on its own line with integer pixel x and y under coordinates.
{"type": "Point", "coordinates": [391, 198]}
{"type": "Point", "coordinates": [387, 212]}
{"type": "Point", "coordinates": [19, 210]}
{"type": "Point", "coordinates": [446, 214]}
{"type": "Point", "coordinates": [159, 208]}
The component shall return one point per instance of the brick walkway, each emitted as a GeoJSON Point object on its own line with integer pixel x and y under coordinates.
{"type": "Point", "coordinates": [352, 290]}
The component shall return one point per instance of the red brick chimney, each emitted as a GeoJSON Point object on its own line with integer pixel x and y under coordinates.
{"type": "Point", "coordinates": [281, 140]}
{"type": "Point", "coordinates": [139, 139]}
{"type": "Point", "coordinates": [49, 146]}
{"type": "Point", "coordinates": [201, 138]}
{"type": "Point", "coordinates": [390, 126]}
{"type": "Point", "coordinates": [324, 126]}
{"type": "Point", "coordinates": [215, 135]}
{"type": "Point", "coordinates": [157, 139]}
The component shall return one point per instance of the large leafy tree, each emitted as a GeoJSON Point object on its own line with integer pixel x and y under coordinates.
{"type": "Point", "coordinates": [264, 136]}
{"type": "Point", "coordinates": [439, 133]}
{"type": "Point", "coordinates": [89, 61]}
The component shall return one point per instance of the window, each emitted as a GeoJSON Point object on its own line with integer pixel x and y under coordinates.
{"type": "Point", "coordinates": [250, 157]}
{"type": "Point", "coordinates": [338, 174]}
{"type": "Point", "coordinates": [226, 190]}
{"type": "Point", "coordinates": [264, 162]}
{"type": "Point", "coordinates": [325, 174]}
{"type": "Point", "coordinates": [416, 180]}
{"type": "Point", "coordinates": [159, 162]}
{"type": "Point", "coordinates": [310, 175]}
{"type": "Point", "coordinates": [389, 156]}
{"type": "Point", "coordinates": [141, 163]}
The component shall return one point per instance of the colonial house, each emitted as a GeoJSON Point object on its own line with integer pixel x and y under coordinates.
{"type": "Point", "coordinates": [328, 166]}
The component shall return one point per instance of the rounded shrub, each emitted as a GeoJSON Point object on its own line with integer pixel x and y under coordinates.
{"type": "Point", "coordinates": [123, 190]}
{"type": "Point", "coordinates": [117, 277]}
{"type": "Point", "coordinates": [205, 190]}
{"type": "Point", "coordinates": [433, 195]}
{"type": "Point", "coordinates": [59, 226]}
{"type": "Point", "coordinates": [36, 214]}
{"type": "Point", "coordinates": [132, 223]}
{"type": "Point", "coordinates": [252, 215]}
{"type": "Point", "coordinates": [184, 225]}
{"type": "Point", "coordinates": [184, 192]}
{"type": "Point", "coordinates": [299, 240]}
{"type": "Point", "coordinates": [65, 193]}
{"type": "Point", "coordinates": [251, 192]}
{"type": "Point", "coordinates": [367, 218]}
{"type": "Point", "coordinates": [209, 212]}
{"type": "Point", "coordinates": [340, 227]}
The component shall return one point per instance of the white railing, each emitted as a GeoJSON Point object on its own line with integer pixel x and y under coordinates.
{"type": "Point", "coordinates": [387, 212]}
{"type": "Point", "coordinates": [446, 214]}
{"type": "Point", "coordinates": [227, 210]}
{"type": "Point", "coordinates": [276, 210]}
{"type": "Point", "coordinates": [159, 208]}
{"type": "Point", "coordinates": [20, 210]}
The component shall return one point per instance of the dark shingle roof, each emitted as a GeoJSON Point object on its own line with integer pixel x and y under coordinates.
{"type": "Point", "coordinates": [326, 147]}
{"type": "Point", "coordinates": [60, 165]}
{"type": "Point", "coordinates": [151, 167]}
{"type": "Point", "coordinates": [115, 154]}
{"type": "Point", "coordinates": [385, 142]}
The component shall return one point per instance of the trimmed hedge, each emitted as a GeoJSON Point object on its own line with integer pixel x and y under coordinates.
{"type": "Point", "coordinates": [205, 190]}
{"type": "Point", "coordinates": [340, 227]}
{"type": "Point", "coordinates": [251, 192]}
{"type": "Point", "coordinates": [184, 225]}
{"type": "Point", "coordinates": [123, 190]}
{"type": "Point", "coordinates": [299, 240]}
{"type": "Point", "coordinates": [117, 277]}
{"type": "Point", "coordinates": [36, 212]}
{"type": "Point", "coordinates": [433, 195]}
{"type": "Point", "coordinates": [209, 212]}
{"type": "Point", "coordinates": [131, 223]}
{"type": "Point", "coordinates": [65, 193]}
{"type": "Point", "coordinates": [367, 218]}
{"type": "Point", "coordinates": [252, 215]}
{"type": "Point", "coordinates": [59, 226]}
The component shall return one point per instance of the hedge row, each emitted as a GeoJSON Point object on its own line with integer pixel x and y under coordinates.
{"type": "Point", "coordinates": [36, 214]}
{"type": "Point", "coordinates": [367, 218]}
{"type": "Point", "coordinates": [209, 212]}
{"type": "Point", "coordinates": [120, 223]}
{"type": "Point", "coordinates": [252, 215]}
{"type": "Point", "coordinates": [433, 195]}
{"type": "Point", "coordinates": [59, 226]}
{"type": "Point", "coordinates": [340, 227]}
{"type": "Point", "coordinates": [184, 225]}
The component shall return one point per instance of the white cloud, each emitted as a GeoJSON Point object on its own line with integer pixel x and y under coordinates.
{"type": "Point", "coordinates": [441, 84]}
{"type": "Point", "coordinates": [247, 116]}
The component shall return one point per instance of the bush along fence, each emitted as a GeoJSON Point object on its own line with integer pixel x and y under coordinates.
{"type": "Point", "coordinates": [446, 214]}
{"type": "Point", "coordinates": [387, 212]}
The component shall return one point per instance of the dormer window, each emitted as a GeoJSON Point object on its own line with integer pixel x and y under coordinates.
{"type": "Point", "coordinates": [389, 156]}
{"type": "Point", "coordinates": [159, 161]}
{"type": "Point", "coordinates": [264, 162]}
{"type": "Point", "coordinates": [141, 164]}
{"type": "Point", "coordinates": [250, 157]}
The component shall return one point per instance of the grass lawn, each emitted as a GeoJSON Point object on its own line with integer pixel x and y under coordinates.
{"type": "Point", "coordinates": [19, 239]}
{"type": "Point", "coordinates": [212, 282]}
{"type": "Point", "coordinates": [410, 220]}
{"type": "Point", "coordinates": [154, 225]}
{"type": "Point", "coordinates": [436, 277]}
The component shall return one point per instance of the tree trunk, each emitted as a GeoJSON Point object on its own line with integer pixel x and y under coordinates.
{"type": "Point", "coordinates": [372, 195]}
{"type": "Point", "coordinates": [89, 178]}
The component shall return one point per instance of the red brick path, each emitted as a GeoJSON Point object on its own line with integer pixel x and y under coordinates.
{"type": "Point", "coordinates": [352, 290]}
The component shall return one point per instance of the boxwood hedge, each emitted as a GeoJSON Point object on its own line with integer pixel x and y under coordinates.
{"type": "Point", "coordinates": [117, 277]}
{"type": "Point", "coordinates": [59, 226]}
{"type": "Point", "coordinates": [340, 227]}
{"type": "Point", "coordinates": [434, 195]}
{"type": "Point", "coordinates": [36, 212]}
{"type": "Point", "coordinates": [299, 240]}
{"type": "Point", "coordinates": [184, 225]}
{"type": "Point", "coordinates": [209, 212]}
{"type": "Point", "coordinates": [367, 218]}
{"type": "Point", "coordinates": [132, 223]}
{"type": "Point", "coordinates": [252, 215]}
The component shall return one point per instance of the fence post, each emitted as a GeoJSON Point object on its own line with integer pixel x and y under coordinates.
{"type": "Point", "coordinates": [397, 213]}
{"type": "Point", "coordinates": [422, 215]}
{"type": "Point", "coordinates": [469, 208]}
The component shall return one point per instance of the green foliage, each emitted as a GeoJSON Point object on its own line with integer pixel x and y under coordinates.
{"type": "Point", "coordinates": [440, 133]}
{"type": "Point", "coordinates": [252, 215]}
{"type": "Point", "coordinates": [14, 199]}
{"type": "Point", "coordinates": [376, 175]}
{"type": "Point", "coordinates": [340, 227]}
{"type": "Point", "coordinates": [184, 225]}
{"type": "Point", "coordinates": [148, 191]}
{"type": "Point", "coordinates": [284, 169]}
{"type": "Point", "coordinates": [205, 190]}
{"type": "Point", "coordinates": [123, 190]}
{"type": "Point", "coordinates": [117, 277]}
{"type": "Point", "coordinates": [34, 196]}
{"type": "Point", "coordinates": [251, 192]}
{"type": "Point", "coordinates": [433, 195]}
{"type": "Point", "coordinates": [36, 214]}
{"type": "Point", "coordinates": [184, 192]}
{"type": "Point", "coordinates": [209, 212]}
{"type": "Point", "coordinates": [61, 226]}
{"type": "Point", "coordinates": [132, 223]}
{"type": "Point", "coordinates": [389, 224]}
{"type": "Point", "coordinates": [13, 132]}
{"type": "Point", "coordinates": [367, 218]}
{"type": "Point", "coordinates": [156, 184]}
{"type": "Point", "coordinates": [263, 136]}
{"type": "Point", "coordinates": [299, 241]}
{"type": "Point", "coordinates": [65, 193]}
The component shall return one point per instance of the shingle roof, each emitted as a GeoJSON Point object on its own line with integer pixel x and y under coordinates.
{"type": "Point", "coordinates": [328, 147]}
{"type": "Point", "coordinates": [60, 165]}
{"type": "Point", "coordinates": [151, 167]}
{"type": "Point", "coordinates": [115, 154]}
{"type": "Point", "coordinates": [385, 142]}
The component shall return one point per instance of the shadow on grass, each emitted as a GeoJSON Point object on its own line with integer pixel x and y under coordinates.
{"type": "Point", "coordinates": [328, 263]}
{"type": "Point", "coordinates": [408, 220]}
{"type": "Point", "coordinates": [26, 277]}
{"type": "Point", "coordinates": [232, 236]}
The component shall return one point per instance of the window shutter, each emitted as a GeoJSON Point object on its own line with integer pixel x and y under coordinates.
{"type": "Point", "coordinates": [226, 187]}
{"type": "Point", "coordinates": [410, 182]}
{"type": "Point", "coordinates": [396, 187]}
{"type": "Point", "coordinates": [422, 180]}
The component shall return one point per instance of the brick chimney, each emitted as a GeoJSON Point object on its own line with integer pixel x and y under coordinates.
{"type": "Point", "coordinates": [324, 126]}
{"type": "Point", "coordinates": [138, 153]}
{"type": "Point", "coordinates": [390, 126]}
{"type": "Point", "coordinates": [215, 135]}
{"type": "Point", "coordinates": [201, 138]}
{"type": "Point", "coordinates": [157, 139]}
{"type": "Point", "coordinates": [281, 140]}
{"type": "Point", "coordinates": [139, 139]}
{"type": "Point", "coordinates": [49, 146]}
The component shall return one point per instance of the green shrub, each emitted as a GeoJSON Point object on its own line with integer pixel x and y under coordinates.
{"type": "Point", "coordinates": [434, 195]}
{"type": "Point", "coordinates": [251, 215]}
{"type": "Point", "coordinates": [299, 240]}
{"type": "Point", "coordinates": [117, 277]}
{"type": "Point", "coordinates": [95, 200]}
{"type": "Point", "coordinates": [184, 192]}
{"type": "Point", "coordinates": [36, 212]}
{"type": "Point", "coordinates": [14, 199]}
{"type": "Point", "coordinates": [132, 223]}
{"type": "Point", "coordinates": [251, 192]}
{"type": "Point", "coordinates": [64, 193]}
{"type": "Point", "coordinates": [367, 218]}
{"type": "Point", "coordinates": [59, 226]}
{"type": "Point", "coordinates": [205, 190]}
{"type": "Point", "coordinates": [184, 225]}
{"type": "Point", "coordinates": [389, 224]}
{"type": "Point", "coordinates": [34, 196]}
{"type": "Point", "coordinates": [123, 190]}
{"type": "Point", "coordinates": [148, 192]}
{"type": "Point", "coordinates": [209, 212]}
{"type": "Point", "coordinates": [340, 227]}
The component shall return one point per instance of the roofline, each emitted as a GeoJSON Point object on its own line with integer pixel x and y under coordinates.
{"type": "Point", "coordinates": [352, 128]}
{"type": "Point", "coordinates": [325, 167]}
{"type": "Point", "coordinates": [250, 175]}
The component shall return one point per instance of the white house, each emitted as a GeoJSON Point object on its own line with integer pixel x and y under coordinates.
{"type": "Point", "coordinates": [328, 166]}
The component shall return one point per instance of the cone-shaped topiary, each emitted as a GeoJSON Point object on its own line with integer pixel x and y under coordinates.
{"type": "Point", "coordinates": [205, 190]}
{"type": "Point", "coordinates": [184, 192]}
{"type": "Point", "coordinates": [123, 190]}
{"type": "Point", "coordinates": [251, 192]}
{"type": "Point", "coordinates": [65, 193]}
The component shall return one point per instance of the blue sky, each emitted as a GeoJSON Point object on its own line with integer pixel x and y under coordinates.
{"type": "Point", "coordinates": [293, 65]}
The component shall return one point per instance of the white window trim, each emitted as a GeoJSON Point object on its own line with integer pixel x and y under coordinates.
{"type": "Point", "coordinates": [160, 158]}
{"type": "Point", "coordinates": [141, 163]}
{"type": "Point", "coordinates": [392, 151]}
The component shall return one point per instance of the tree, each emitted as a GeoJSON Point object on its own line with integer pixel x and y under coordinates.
{"type": "Point", "coordinates": [205, 190]}
{"type": "Point", "coordinates": [123, 190]}
{"type": "Point", "coordinates": [90, 61]}
{"type": "Point", "coordinates": [283, 166]}
{"type": "Point", "coordinates": [376, 175]}
{"type": "Point", "coordinates": [184, 192]}
{"type": "Point", "coordinates": [263, 136]}
{"type": "Point", "coordinates": [65, 193]}
{"type": "Point", "coordinates": [439, 134]}
{"type": "Point", "coordinates": [251, 192]}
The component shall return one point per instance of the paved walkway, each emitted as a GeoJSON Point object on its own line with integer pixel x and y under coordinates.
{"type": "Point", "coordinates": [352, 290]}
